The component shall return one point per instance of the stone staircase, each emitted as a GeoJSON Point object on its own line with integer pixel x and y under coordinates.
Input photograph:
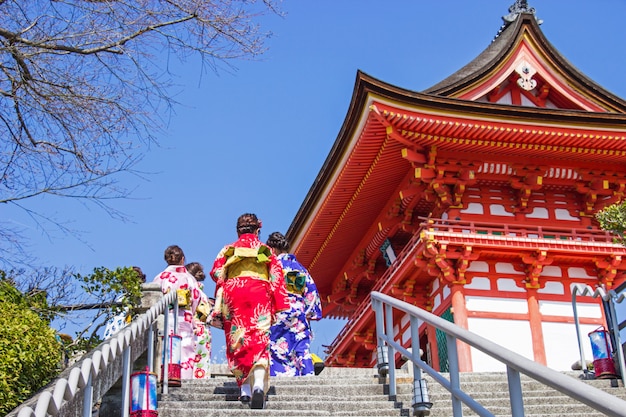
{"type": "Point", "coordinates": [360, 392]}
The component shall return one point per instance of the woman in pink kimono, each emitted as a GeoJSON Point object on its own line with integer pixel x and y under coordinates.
{"type": "Point", "coordinates": [175, 277]}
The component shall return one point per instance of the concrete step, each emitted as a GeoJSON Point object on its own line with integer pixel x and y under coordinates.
{"type": "Point", "coordinates": [361, 392]}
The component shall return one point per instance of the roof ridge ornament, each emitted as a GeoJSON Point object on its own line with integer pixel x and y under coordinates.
{"type": "Point", "coordinates": [519, 7]}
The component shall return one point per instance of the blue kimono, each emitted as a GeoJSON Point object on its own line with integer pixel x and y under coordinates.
{"type": "Point", "coordinates": [291, 333]}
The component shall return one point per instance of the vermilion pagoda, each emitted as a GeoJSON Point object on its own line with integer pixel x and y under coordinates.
{"type": "Point", "coordinates": [473, 199]}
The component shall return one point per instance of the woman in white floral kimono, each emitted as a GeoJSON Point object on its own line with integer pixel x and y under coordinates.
{"type": "Point", "coordinates": [202, 368]}
{"type": "Point", "coordinates": [174, 278]}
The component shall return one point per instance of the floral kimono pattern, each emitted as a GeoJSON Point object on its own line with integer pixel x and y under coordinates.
{"type": "Point", "coordinates": [249, 290]}
{"type": "Point", "coordinates": [291, 335]}
{"type": "Point", "coordinates": [202, 367]}
{"type": "Point", "coordinates": [176, 277]}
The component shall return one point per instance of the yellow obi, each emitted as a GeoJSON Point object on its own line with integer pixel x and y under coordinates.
{"type": "Point", "coordinates": [247, 262]}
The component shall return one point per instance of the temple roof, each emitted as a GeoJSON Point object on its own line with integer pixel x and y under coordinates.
{"type": "Point", "coordinates": [581, 124]}
{"type": "Point", "coordinates": [524, 28]}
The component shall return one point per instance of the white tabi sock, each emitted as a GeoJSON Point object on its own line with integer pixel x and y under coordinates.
{"type": "Point", "coordinates": [259, 378]}
{"type": "Point", "coordinates": [245, 389]}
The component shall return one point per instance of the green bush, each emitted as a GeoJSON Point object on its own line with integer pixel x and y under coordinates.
{"type": "Point", "coordinates": [29, 354]}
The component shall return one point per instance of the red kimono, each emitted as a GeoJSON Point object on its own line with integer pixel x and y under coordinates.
{"type": "Point", "coordinates": [250, 290]}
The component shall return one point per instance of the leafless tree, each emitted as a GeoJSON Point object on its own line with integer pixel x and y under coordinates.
{"type": "Point", "coordinates": [83, 82]}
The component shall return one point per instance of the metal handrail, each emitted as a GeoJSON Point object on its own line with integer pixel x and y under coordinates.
{"type": "Point", "coordinates": [384, 305]}
{"type": "Point", "coordinates": [85, 374]}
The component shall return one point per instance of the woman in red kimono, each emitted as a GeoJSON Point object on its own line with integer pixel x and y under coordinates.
{"type": "Point", "coordinates": [249, 291]}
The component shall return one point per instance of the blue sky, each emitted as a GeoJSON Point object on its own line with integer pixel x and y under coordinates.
{"type": "Point", "coordinates": [253, 139]}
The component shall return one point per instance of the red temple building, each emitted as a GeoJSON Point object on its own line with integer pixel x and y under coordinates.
{"type": "Point", "coordinates": [474, 200]}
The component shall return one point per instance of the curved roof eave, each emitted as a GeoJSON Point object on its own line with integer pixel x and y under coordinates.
{"type": "Point", "coordinates": [493, 55]}
{"type": "Point", "coordinates": [366, 86]}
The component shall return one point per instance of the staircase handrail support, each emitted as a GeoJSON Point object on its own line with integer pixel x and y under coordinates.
{"type": "Point", "coordinates": [383, 306]}
{"type": "Point", "coordinates": [611, 298]}
{"type": "Point", "coordinates": [85, 373]}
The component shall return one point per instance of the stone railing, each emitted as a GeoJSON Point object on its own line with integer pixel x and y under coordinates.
{"type": "Point", "coordinates": [78, 388]}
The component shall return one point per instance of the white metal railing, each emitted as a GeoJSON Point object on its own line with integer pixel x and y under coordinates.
{"type": "Point", "coordinates": [83, 376]}
{"type": "Point", "coordinates": [610, 297]}
{"type": "Point", "coordinates": [516, 364]}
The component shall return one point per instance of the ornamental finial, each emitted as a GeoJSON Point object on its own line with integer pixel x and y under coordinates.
{"type": "Point", "coordinates": [519, 7]}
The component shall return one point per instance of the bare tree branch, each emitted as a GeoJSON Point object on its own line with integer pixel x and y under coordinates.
{"type": "Point", "coordinates": [83, 85]}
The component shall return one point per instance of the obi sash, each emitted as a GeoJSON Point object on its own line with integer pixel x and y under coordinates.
{"type": "Point", "coordinates": [295, 281]}
{"type": "Point", "coordinates": [247, 262]}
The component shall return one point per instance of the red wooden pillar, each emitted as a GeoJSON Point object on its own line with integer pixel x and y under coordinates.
{"type": "Point", "coordinates": [459, 311]}
{"type": "Point", "coordinates": [536, 330]}
{"type": "Point", "coordinates": [431, 333]}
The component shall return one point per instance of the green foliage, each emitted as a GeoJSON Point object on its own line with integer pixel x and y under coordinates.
{"type": "Point", "coordinates": [34, 299]}
{"type": "Point", "coordinates": [29, 352]}
{"type": "Point", "coordinates": [121, 285]}
{"type": "Point", "coordinates": [613, 219]}
{"type": "Point", "coordinates": [121, 288]}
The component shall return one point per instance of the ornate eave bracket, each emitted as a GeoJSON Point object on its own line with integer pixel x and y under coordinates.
{"type": "Point", "coordinates": [535, 263]}
{"type": "Point", "coordinates": [609, 270]}
{"type": "Point", "coordinates": [525, 184]}
{"type": "Point", "coordinates": [450, 264]}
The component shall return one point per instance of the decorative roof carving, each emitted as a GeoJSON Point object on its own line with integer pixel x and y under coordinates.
{"type": "Point", "coordinates": [519, 7]}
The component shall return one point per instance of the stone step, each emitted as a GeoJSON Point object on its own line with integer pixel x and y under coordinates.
{"type": "Point", "coordinates": [361, 392]}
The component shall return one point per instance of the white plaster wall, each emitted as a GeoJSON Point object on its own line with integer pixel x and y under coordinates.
{"type": "Point", "coordinates": [552, 287]}
{"type": "Point", "coordinates": [478, 266]}
{"type": "Point", "coordinates": [555, 308]}
{"type": "Point", "coordinates": [499, 210]}
{"type": "Point", "coordinates": [473, 208]}
{"type": "Point", "coordinates": [496, 305]}
{"type": "Point", "coordinates": [574, 272]}
{"type": "Point", "coordinates": [539, 213]}
{"type": "Point", "coordinates": [479, 283]}
{"type": "Point", "coordinates": [511, 334]}
{"type": "Point", "coordinates": [563, 214]}
{"type": "Point", "coordinates": [562, 344]}
{"type": "Point", "coordinates": [509, 284]}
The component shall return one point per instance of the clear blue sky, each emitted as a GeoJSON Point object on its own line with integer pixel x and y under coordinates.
{"type": "Point", "coordinates": [254, 139]}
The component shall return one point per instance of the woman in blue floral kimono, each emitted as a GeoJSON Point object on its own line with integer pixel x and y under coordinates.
{"type": "Point", "coordinates": [291, 334]}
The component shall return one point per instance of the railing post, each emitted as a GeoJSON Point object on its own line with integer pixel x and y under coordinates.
{"type": "Point", "coordinates": [88, 398]}
{"type": "Point", "coordinates": [381, 354]}
{"type": "Point", "coordinates": [390, 350]}
{"type": "Point", "coordinates": [515, 392]}
{"type": "Point", "coordinates": [583, 361]}
{"type": "Point", "coordinates": [421, 400]}
{"type": "Point", "coordinates": [455, 380]}
{"type": "Point", "coordinates": [126, 381]}
{"type": "Point", "coordinates": [150, 355]}
{"type": "Point", "coordinates": [166, 353]}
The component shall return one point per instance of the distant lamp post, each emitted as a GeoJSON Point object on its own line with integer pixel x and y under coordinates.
{"type": "Point", "coordinates": [421, 401]}
{"type": "Point", "coordinates": [143, 394]}
{"type": "Point", "coordinates": [383, 361]}
{"type": "Point", "coordinates": [174, 350]}
{"type": "Point", "coordinates": [603, 365]}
